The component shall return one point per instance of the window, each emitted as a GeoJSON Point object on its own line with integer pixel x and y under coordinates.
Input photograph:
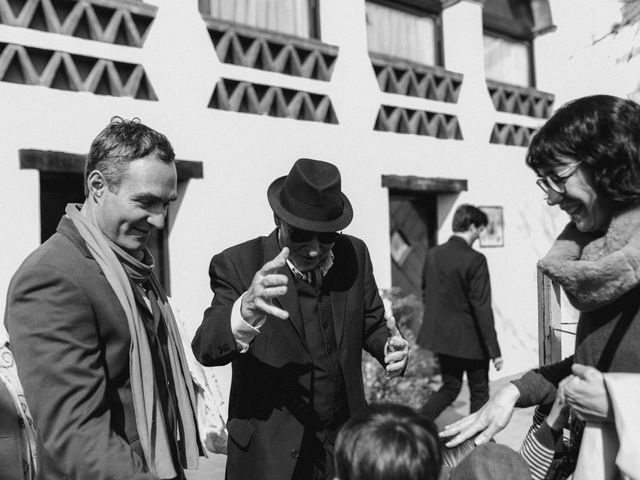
{"type": "Point", "coordinates": [509, 29]}
{"type": "Point", "coordinates": [507, 60]}
{"type": "Point", "coordinates": [293, 17]}
{"type": "Point", "coordinates": [403, 31]}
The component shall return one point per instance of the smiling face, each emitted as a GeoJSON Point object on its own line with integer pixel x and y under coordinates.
{"type": "Point", "coordinates": [128, 213]}
{"type": "Point", "coordinates": [589, 210]}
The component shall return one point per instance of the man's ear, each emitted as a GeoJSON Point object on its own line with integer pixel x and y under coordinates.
{"type": "Point", "coordinates": [96, 184]}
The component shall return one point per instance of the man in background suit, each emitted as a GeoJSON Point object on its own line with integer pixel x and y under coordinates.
{"type": "Point", "coordinates": [292, 312]}
{"type": "Point", "coordinates": [94, 338]}
{"type": "Point", "coordinates": [458, 321]}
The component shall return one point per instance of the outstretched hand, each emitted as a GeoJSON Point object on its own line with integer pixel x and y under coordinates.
{"type": "Point", "coordinates": [267, 284]}
{"type": "Point", "coordinates": [397, 348]}
{"type": "Point", "coordinates": [489, 420]}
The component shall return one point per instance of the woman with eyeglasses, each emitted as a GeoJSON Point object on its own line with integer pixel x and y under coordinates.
{"type": "Point", "coordinates": [587, 158]}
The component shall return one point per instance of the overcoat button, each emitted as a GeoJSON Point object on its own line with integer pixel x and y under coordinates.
{"type": "Point", "coordinates": [295, 453]}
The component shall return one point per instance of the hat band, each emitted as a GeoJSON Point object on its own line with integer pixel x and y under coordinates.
{"type": "Point", "coordinates": [310, 212]}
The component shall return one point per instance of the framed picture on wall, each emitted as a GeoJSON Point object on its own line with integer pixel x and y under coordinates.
{"type": "Point", "coordinates": [493, 234]}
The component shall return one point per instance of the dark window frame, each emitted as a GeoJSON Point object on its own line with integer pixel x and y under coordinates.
{"type": "Point", "coordinates": [431, 9]}
{"type": "Point", "coordinates": [315, 31]}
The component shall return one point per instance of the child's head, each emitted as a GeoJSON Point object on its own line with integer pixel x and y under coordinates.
{"type": "Point", "coordinates": [388, 442]}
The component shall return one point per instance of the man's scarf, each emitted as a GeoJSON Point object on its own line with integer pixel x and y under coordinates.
{"type": "Point", "coordinates": [117, 266]}
{"type": "Point", "coordinates": [596, 270]}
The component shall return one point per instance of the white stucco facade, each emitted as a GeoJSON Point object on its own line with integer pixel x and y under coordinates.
{"type": "Point", "coordinates": [243, 153]}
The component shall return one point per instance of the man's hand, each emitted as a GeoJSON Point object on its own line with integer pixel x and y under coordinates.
{"type": "Point", "coordinates": [498, 363]}
{"type": "Point", "coordinates": [397, 348]}
{"type": "Point", "coordinates": [586, 394]}
{"type": "Point", "coordinates": [490, 419]}
{"type": "Point", "coordinates": [266, 285]}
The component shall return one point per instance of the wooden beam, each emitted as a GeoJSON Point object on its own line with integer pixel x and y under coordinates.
{"type": "Point", "coordinates": [54, 161]}
{"type": "Point", "coordinates": [411, 183]}
{"type": "Point", "coordinates": [549, 321]}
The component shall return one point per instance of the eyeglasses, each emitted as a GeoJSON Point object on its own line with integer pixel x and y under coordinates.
{"type": "Point", "coordinates": [555, 182]}
{"type": "Point", "coordinates": [298, 235]}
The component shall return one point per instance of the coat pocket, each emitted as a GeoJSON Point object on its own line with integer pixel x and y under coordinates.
{"type": "Point", "coordinates": [240, 431]}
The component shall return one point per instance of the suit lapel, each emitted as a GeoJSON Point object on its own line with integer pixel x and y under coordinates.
{"type": "Point", "coordinates": [338, 306]}
{"type": "Point", "coordinates": [289, 301]}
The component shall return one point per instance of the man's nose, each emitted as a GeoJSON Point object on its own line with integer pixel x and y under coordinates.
{"type": "Point", "coordinates": [313, 247]}
{"type": "Point", "coordinates": [156, 219]}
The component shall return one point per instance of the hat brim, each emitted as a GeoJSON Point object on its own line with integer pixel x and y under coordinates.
{"type": "Point", "coordinates": [335, 225]}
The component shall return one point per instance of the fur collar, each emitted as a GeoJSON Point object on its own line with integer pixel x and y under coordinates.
{"type": "Point", "coordinates": [596, 270]}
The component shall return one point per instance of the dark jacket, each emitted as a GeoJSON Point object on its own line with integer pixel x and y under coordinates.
{"type": "Point", "coordinates": [70, 339]}
{"type": "Point", "coordinates": [458, 319]}
{"type": "Point", "coordinates": [267, 406]}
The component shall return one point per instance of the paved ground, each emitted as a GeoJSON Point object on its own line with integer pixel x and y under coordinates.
{"type": "Point", "coordinates": [212, 468]}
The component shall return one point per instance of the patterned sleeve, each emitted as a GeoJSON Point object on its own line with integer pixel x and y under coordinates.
{"type": "Point", "coordinates": [539, 446]}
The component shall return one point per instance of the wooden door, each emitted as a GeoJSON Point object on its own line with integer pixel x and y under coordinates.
{"type": "Point", "coordinates": [412, 232]}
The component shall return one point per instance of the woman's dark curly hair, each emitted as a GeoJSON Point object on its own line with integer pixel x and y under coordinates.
{"type": "Point", "coordinates": [602, 132]}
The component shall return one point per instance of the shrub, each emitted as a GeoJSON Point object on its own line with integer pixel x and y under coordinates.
{"type": "Point", "coordinates": [420, 378]}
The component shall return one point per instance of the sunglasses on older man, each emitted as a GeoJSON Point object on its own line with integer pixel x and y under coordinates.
{"type": "Point", "coordinates": [556, 182]}
{"type": "Point", "coordinates": [298, 235]}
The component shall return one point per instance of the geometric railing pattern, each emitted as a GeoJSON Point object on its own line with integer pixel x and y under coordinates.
{"type": "Point", "coordinates": [417, 122]}
{"type": "Point", "coordinates": [509, 134]}
{"type": "Point", "coordinates": [123, 22]}
{"type": "Point", "coordinates": [412, 79]}
{"type": "Point", "coordinates": [275, 52]}
{"type": "Point", "coordinates": [78, 73]}
{"type": "Point", "coordinates": [519, 100]}
{"type": "Point", "coordinates": [245, 97]}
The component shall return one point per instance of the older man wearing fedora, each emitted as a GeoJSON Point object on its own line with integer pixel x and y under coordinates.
{"type": "Point", "coordinates": [292, 313]}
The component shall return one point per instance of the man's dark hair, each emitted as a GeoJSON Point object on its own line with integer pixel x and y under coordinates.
{"type": "Point", "coordinates": [602, 132]}
{"type": "Point", "coordinates": [467, 215]}
{"type": "Point", "coordinates": [388, 442]}
{"type": "Point", "coordinates": [121, 142]}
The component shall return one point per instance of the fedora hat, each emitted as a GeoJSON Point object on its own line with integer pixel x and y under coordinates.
{"type": "Point", "coordinates": [310, 197]}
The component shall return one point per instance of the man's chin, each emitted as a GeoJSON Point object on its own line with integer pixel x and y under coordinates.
{"type": "Point", "coordinates": [134, 246]}
{"type": "Point", "coordinates": [305, 265]}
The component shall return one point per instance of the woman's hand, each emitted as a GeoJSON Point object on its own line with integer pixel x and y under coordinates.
{"type": "Point", "coordinates": [558, 417]}
{"type": "Point", "coordinates": [489, 420]}
{"type": "Point", "coordinates": [586, 394]}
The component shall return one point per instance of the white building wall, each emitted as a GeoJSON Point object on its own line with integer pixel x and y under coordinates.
{"type": "Point", "coordinates": [243, 153]}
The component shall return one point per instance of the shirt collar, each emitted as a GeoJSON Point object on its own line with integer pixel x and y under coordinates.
{"type": "Point", "coordinates": [324, 267]}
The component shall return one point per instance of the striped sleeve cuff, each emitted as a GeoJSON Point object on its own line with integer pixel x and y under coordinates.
{"type": "Point", "coordinates": [537, 456]}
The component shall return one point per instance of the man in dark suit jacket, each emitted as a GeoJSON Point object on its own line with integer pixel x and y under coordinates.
{"type": "Point", "coordinates": [294, 331]}
{"type": "Point", "coordinates": [458, 321]}
{"type": "Point", "coordinates": [94, 339]}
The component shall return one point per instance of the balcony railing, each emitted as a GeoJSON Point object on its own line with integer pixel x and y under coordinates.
{"type": "Point", "coordinates": [271, 51]}
{"type": "Point", "coordinates": [122, 22]}
{"type": "Point", "coordinates": [245, 97]}
{"type": "Point", "coordinates": [511, 134]}
{"type": "Point", "coordinates": [412, 79]}
{"type": "Point", "coordinates": [519, 100]}
{"type": "Point", "coordinates": [418, 122]}
{"type": "Point", "coordinates": [77, 73]}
